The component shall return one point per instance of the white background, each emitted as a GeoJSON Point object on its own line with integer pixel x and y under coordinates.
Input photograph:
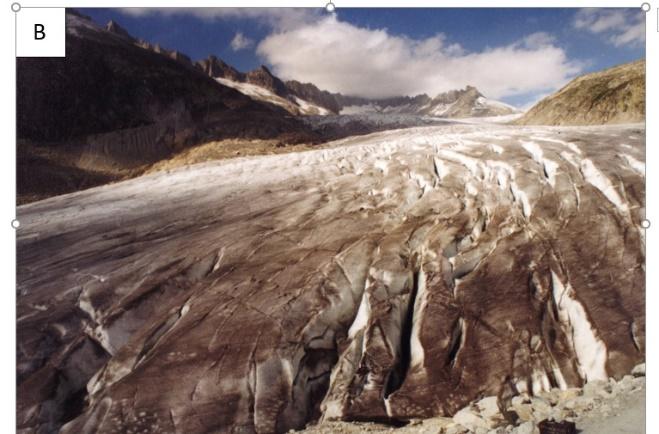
{"type": "Point", "coordinates": [8, 169]}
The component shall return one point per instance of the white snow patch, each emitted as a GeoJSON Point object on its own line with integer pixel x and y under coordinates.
{"type": "Point", "coordinates": [520, 196]}
{"type": "Point", "coordinates": [558, 376]}
{"type": "Point", "coordinates": [596, 178]}
{"type": "Point", "coordinates": [310, 108]}
{"type": "Point", "coordinates": [382, 166]}
{"type": "Point", "coordinates": [416, 349]}
{"type": "Point", "coordinates": [632, 162]}
{"type": "Point", "coordinates": [263, 94]}
{"type": "Point", "coordinates": [539, 382]}
{"type": "Point", "coordinates": [361, 320]}
{"type": "Point", "coordinates": [590, 350]}
{"type": "Point", "coordinates": [534, 149]}
{"type": "Point", "coordinates": [496, 148]}
{"type": "Point", "coordinates": [441, 169]}
{"type": "Point", "coordinates": [470, 163]}
{"type": "Point", "coordinates": [570, 158]}
{"type": "Point", "coordinates": [548, 166]}
{"type": "Point", "coordinates": [573, 147]}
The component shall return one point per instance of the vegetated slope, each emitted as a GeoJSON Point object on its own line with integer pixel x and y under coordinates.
{"type": "Point", "coordinates": [114, 104]}
{"type": "Point", "coordinates": [389, 277]}
{"type": "Point", "coordinates": [615, 95]}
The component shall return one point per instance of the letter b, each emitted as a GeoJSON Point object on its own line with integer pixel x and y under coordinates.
{"type": "Point", "coordinates": [39, 32]}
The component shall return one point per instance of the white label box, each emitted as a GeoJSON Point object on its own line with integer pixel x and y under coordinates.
{"type": "Point", "coordinates": [41, 32]}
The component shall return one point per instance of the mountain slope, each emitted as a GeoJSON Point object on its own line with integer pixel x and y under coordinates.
{"type": "Point", "coordinates": [615, 95]}
{"type": "Point", "coordinates": [114, 104]}
{"type": "Point", "coordinates": [261, 85]}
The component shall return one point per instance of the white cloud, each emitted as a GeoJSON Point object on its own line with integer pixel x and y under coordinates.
{"type": "Point", "coordinates": [342, 57]}
{"type": "Point", "coordinates": [619, 26]}
{"type": "Point", "coordinates": [240, 42]}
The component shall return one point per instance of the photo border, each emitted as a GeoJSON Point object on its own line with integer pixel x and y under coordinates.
{"type": "Point", "coordinates": [8, 158]}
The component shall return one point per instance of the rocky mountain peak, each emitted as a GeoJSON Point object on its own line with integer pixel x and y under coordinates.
{"type": "Point", "coordinates": [264, 78]}
{"type": "Point", "coordinates": [215, 67]}
{"type": "Point", "coordinates": [113, 27]}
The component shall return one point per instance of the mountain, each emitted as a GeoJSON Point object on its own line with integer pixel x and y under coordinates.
{"type": "Point", "coordinates": [115, 104]}
{"type": "Point", "coordinates": [612, 96]}
{"type": "Point", "coordinates": [298, 96]}
{"type": "Point", "coordinates": [261, 85]}
{"type": "Point", "coordinates": [309, 92]}
{"type": "Point", "coordinates": [461, 103]}
{"type": "Point", "coordinates": [217, 68]}
{"type": "Point", "coordinates": [466, 103]}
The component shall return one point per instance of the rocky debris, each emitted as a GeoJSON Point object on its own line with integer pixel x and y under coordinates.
{"type": "Point", "coordinates": [557, 427]}
{"type": "Point", "coordinates": [387, 278]}
{"type": "Point", "coordinates": [615, 95]}
{"type": "Point", "coordinates": [572, 405]}
{"type": "Point", "coordinates": [597, 400]}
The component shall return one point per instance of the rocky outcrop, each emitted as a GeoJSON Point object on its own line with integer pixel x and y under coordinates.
{"type": "Point", "coordinates": [114, 27]}
{"type": "Point", "coordinates": [309, 92]}
{"type": "Point", "coordinates": [391, 277]}
{"type": "Point", "coordinates": [264, 78]}
{"type": "Point", "coordinates": [214, 68]}
{"type": "Point", "coordinates": [615, 95]}
{"type": "Point", "coordinates": [172, 54]}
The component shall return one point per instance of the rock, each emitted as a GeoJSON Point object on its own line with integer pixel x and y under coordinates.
{"type": "Point", "coordinates": [639, 370]}
{"type": "Point", "coordinates": [456, 429]}
{"type": "Point", "coordinates": [524, 412]}
{"type": "Point", "coordinates": [541, 408]}
{"type": "Point", "coordinates": [570, 393]}
{"type": "Point", "coordinates": [526, 428]}
{"type": "Point", "coordinates": [263, 77]}
{"type": "Point", "coordinates": [215, 67]}
{"type": "Point", "coordinates": [470, 418]}
{"type": "Point", "coordinates": [598, 388]}
{"type": "Point", "coordinates": [581, 404]}
{"type": "Point", "coordinates": [551, 396]}
{"type": "Point", "coordinates": [489, 409]}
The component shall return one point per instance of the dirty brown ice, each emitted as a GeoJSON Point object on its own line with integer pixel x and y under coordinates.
{"type": "Point", "coordinates": [395, 276]}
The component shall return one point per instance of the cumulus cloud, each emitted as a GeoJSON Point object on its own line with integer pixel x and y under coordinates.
{"type": "Point", "coordinates": [345, 58]}
{"type": "Point", "coordinates": [241, 42]}
{"type": "Point", "coordinates": [619, 26]}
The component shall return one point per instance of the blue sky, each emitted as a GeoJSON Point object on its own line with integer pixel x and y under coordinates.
{"type": "Point", "coordinates": [515, 55]}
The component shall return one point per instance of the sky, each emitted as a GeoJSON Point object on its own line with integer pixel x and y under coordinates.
{"type": "Point", "coordinates": [510, 54]}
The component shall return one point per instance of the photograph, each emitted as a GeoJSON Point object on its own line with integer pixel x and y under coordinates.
{"type": "Point", "coordinates": [332, 220]}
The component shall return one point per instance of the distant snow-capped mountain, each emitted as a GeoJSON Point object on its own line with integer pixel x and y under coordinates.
{"type": "Point", "coordinates": [307, 98]}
